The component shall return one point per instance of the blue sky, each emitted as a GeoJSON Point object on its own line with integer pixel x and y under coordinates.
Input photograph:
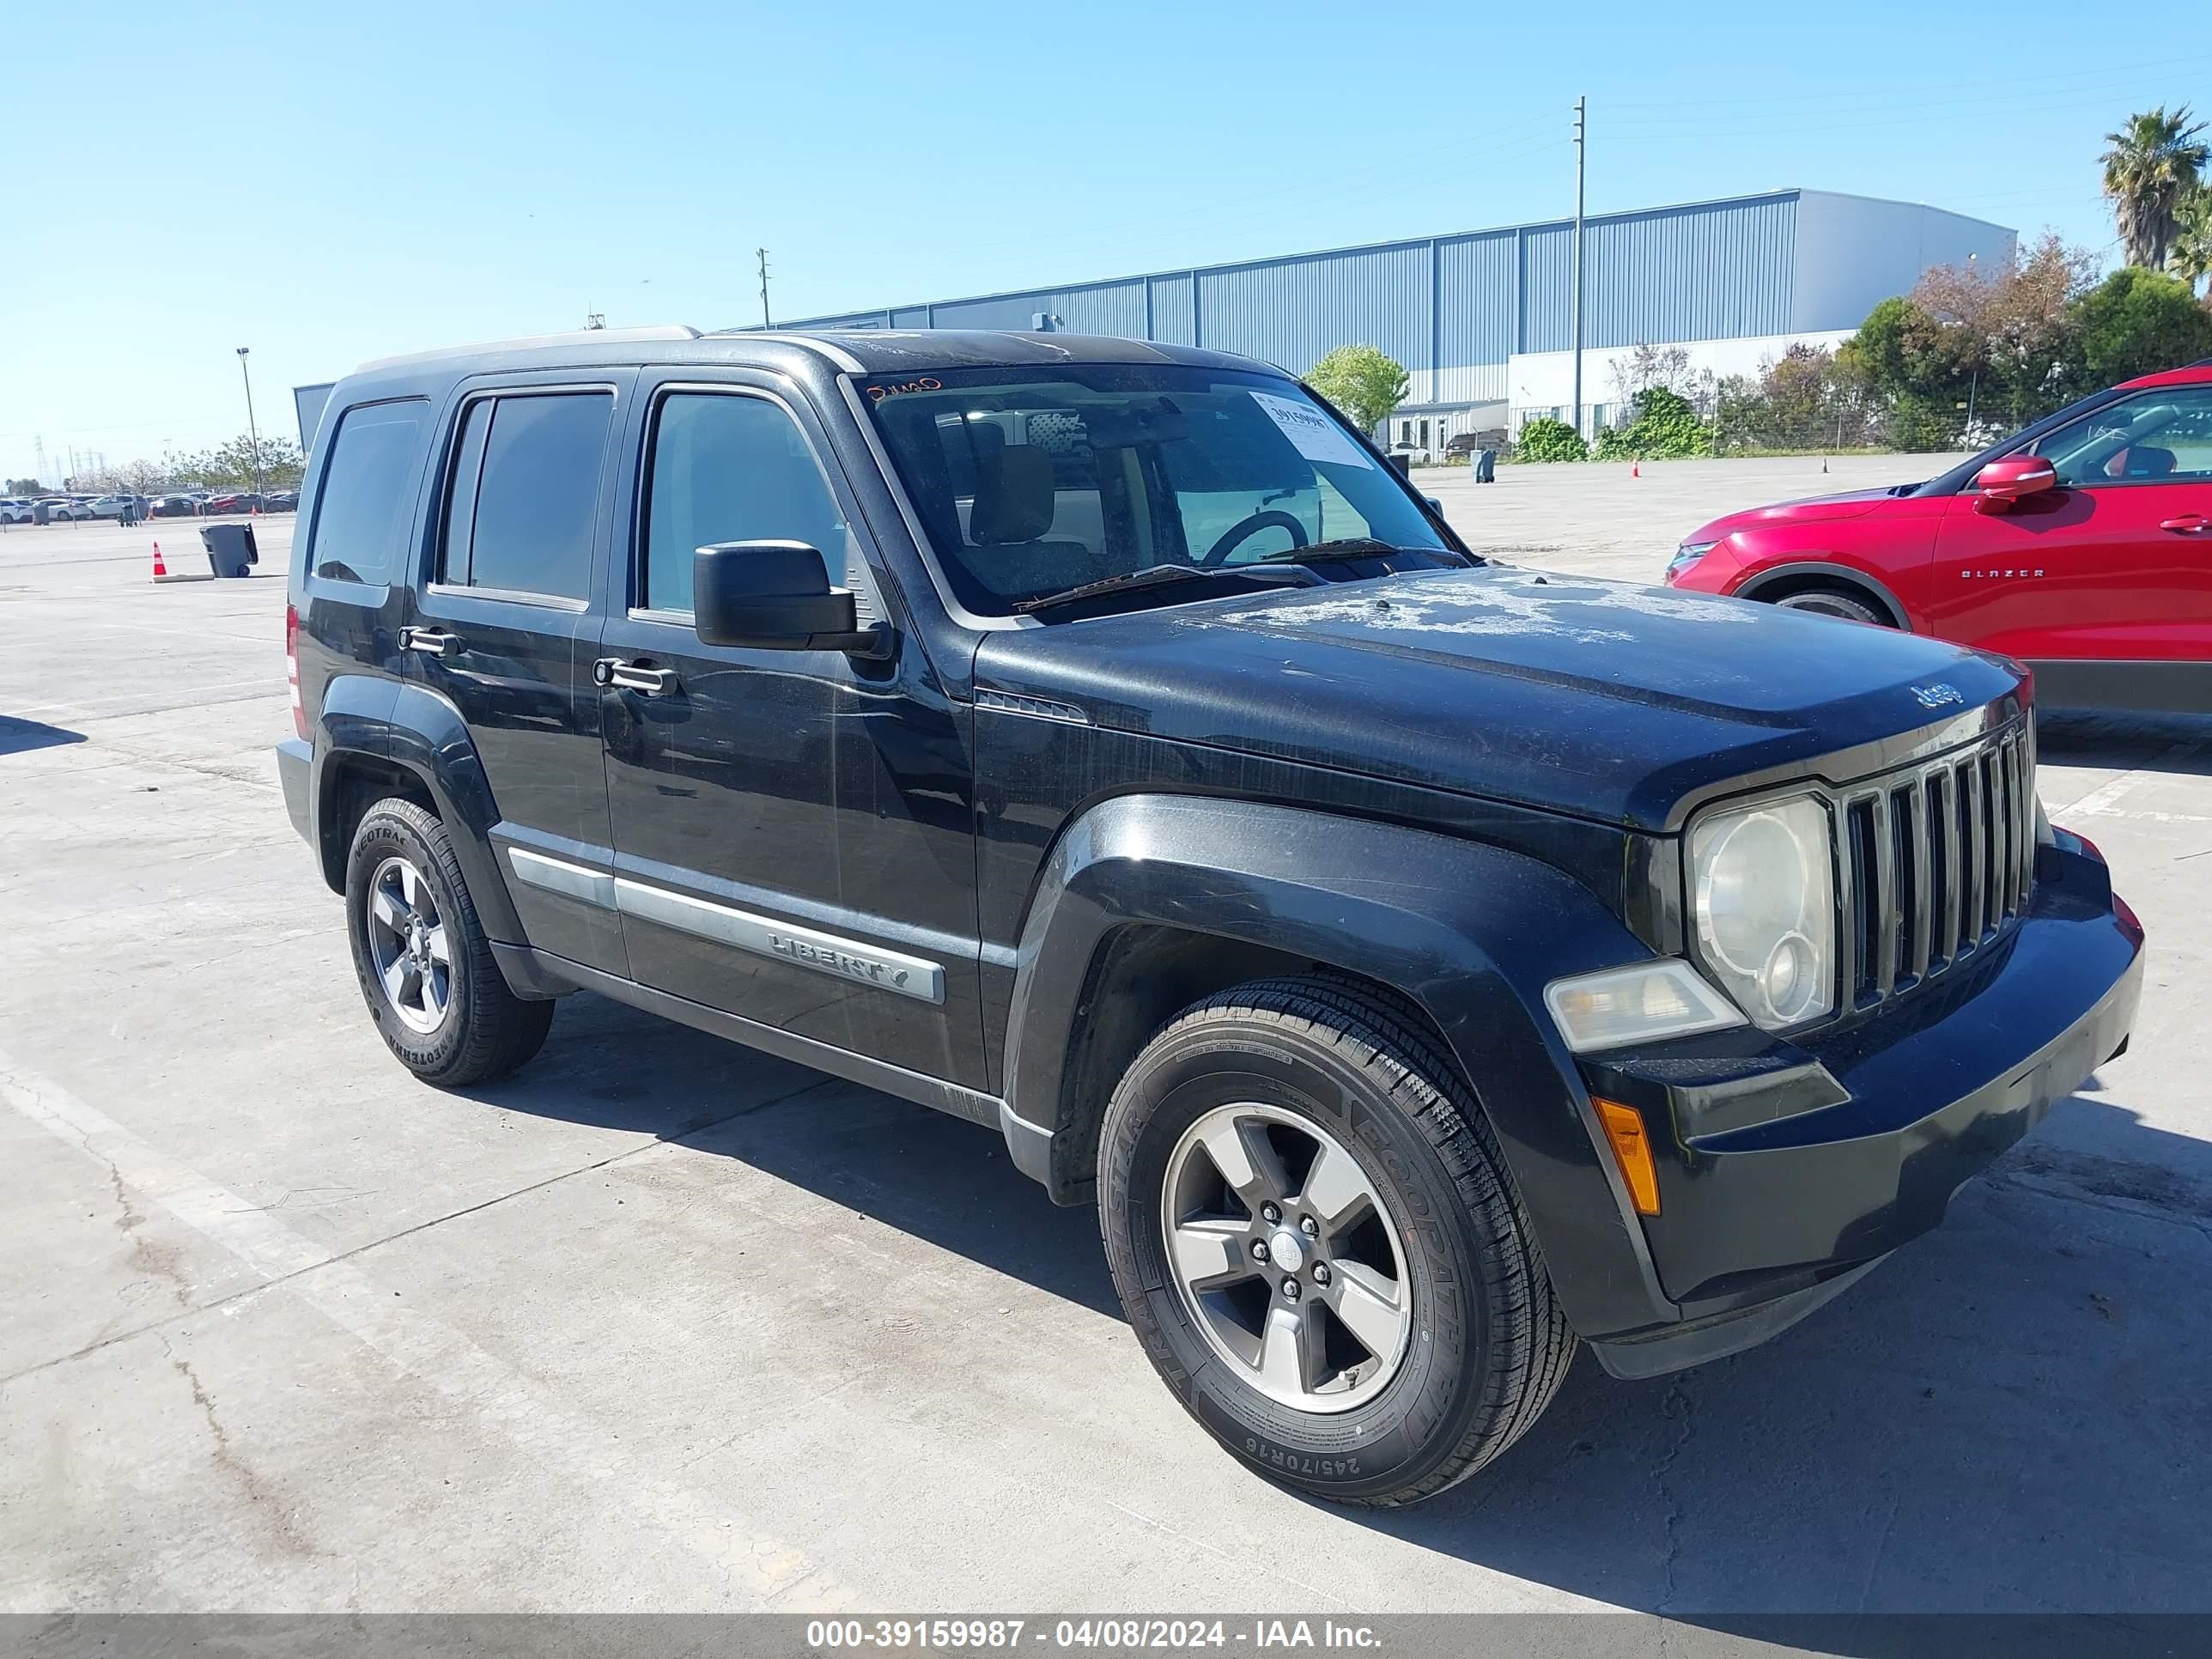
{"type": "Point", "coordinates": [331, 184]}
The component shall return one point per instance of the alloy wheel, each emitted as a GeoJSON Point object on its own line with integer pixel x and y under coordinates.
{"type": "Point", "coordinates": [1284, 1253]}
{"type": "Point", "coordinates": [408, 945]}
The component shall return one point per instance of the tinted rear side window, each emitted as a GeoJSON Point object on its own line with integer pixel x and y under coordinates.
{"type": "Point", "coordinates": [528, 527]}
{"type": "Point", "coordinates": [368, 486]}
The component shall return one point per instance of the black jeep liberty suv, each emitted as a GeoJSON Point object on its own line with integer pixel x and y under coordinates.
{"type": "Point", "coordinates": [1424, 964]}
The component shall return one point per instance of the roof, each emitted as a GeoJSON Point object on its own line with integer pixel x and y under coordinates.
{"type": "Point", "coordinates": [855, 351]}
{"type": "Point", "coordinates": [1786, 193]}
{"type": "Point", "coordinates": [2196, 373]}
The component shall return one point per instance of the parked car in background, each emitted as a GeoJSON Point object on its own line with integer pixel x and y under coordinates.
{"type": "Point", "coordinates": [15, 509]}
{"type": "Point", "coordinates": [70, 508]}
{"type": "Point", "coordinates": [2081, 545]}
{"type": "Point", "coordinates": [281, 501]}
{"type": "Point", "coordinates": [174, 506]}
{"type": "Point", "coordinates": [231, 500]}
{"type": "Point", "coordinates": [119, 507]}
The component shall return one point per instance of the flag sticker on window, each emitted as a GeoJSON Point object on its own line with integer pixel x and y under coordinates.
{"type": "Point", "coordinates": [1310, 432]}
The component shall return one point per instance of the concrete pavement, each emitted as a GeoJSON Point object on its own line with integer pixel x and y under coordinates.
{"type": "Point", "coordinates": [662, 1324]}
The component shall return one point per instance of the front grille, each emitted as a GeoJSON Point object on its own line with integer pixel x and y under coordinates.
{"type": "Point", "coordinates": [1937, 861]}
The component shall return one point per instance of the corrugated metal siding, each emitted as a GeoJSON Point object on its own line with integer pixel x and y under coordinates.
{"type": "Point", "coordinates": [1471, 383]}
{"type": "Point", "coordinates": [1289, 312]}
{"type": "Point", "coordinates": [1174, 321]}
{"type": "Point", "coordinates": [1714, 272]}
{"type": "Point", "coordinates": [1547, 277]}
{"type": "Point", "coordinates": [1115, 308]}
{"type": "Point", "coordinates": [1477, 290]}
{"type": "Point", "coordinates": [1453, 309]}
{"type": "Point", "coordinates": [1709, 273]}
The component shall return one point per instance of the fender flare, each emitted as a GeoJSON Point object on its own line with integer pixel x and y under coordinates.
{"type": "Point", "coordinates": [413, 728]}
{"type": "Point", "coordinates": [1899, 617]}
{"type": "Point", "coordinates": [1470, 932]}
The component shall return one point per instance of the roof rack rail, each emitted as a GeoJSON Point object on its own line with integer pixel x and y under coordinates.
{"type": "Point", "coordinates": [573, 337]}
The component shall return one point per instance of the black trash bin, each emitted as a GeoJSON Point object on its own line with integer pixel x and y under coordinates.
{"type": "Point", "coordinates": [230, 549]}
{"type": "Point", "coordinates": [1486, 466]}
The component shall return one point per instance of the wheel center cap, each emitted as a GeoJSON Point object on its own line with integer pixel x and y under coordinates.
{"type": "Point", "coordinates": [1286, 1249]}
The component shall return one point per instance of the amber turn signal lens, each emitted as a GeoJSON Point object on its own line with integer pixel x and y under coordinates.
{"type": "Point", "coordinates": [1632, 1150]}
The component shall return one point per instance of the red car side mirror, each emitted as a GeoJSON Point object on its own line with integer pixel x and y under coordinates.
{"type": "Point", "coordinates": [2013, 479]}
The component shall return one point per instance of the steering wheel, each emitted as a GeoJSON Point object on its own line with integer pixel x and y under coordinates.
{"type": "Point", "coordinates": [1244, 529]}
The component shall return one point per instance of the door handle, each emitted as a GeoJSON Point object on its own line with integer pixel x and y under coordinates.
{"type": "Point", "coordinates": [2188, 524]}
{"type": "Point", "coordinates": [430, 642]}
{"type": "Point", "coordinates": [645, 680]}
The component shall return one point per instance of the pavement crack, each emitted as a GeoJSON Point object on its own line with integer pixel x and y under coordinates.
{"type": "Point", "coordinates": [152, 1260]}
{"type": "Point", "coordinates": [1676, 1406]}
{"type": "Point", "coordinates": [258, 1494]}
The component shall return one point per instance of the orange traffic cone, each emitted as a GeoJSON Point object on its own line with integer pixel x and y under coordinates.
{"type": "Point", "coordinates": [160, 569]}
{"type": "Point", "coordinates": [1636, 469]}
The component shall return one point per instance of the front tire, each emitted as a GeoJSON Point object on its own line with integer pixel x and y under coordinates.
{"type": "Point", "coordinates": [433, 989]}
{"type": "Point", "coordinates": [1315, 1236]}
{"type": "Point", "coordinates": [1834, 602]}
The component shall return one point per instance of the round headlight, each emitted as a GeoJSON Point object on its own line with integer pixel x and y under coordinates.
{"type": "Point", "coordinates": [1765, 905]}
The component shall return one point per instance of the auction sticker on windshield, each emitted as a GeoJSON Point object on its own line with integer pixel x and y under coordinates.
{"type": "Point", "coordinates": [1315, 436]}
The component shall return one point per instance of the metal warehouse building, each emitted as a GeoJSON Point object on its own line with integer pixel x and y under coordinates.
{"type": "Point", "coordinates": [1483, 319]}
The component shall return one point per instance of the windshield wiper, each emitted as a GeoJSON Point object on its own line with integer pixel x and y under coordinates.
{"type": "Point", "coordinates": [1154, 575]}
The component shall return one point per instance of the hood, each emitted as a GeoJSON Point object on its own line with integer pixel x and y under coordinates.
{"type": "Point", "coordinates": [1607, 700]}
{"type": "Point", "coordinates": [1847, 504]}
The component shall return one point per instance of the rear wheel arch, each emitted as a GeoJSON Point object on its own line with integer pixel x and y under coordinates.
{"type": "Point", "coordinates": [353, 781]}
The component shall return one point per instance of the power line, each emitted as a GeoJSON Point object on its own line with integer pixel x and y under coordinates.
{"type": "Point", "coordinates": [1909, 96]}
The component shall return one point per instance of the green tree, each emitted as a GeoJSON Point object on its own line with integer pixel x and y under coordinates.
{"type": "Point", "coordinates": [234, 465]}
{"type": "Point", "coordinates": [1362, 380]}
{"type": "Point", "coordinates": [1550, 440]}
{"type": "Point", "coordinates": [2137, 322]}
{"type": "Point", "coordinates": [2154, 161]}
{"type": "Point", "coordinates": [25, 487]}
{"type": "Point", "coordinates": [2008, 330]}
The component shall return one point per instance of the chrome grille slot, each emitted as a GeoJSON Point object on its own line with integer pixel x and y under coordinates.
{"type": "Point", "coordinates": [1937, 862]}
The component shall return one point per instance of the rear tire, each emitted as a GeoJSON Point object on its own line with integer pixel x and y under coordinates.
{"type": "Point", "coordinates": [433, 989]}
{"type": "Point", "coordinates": [1834, 602]}
{"type": "Point", "coordinates": [1347, 1116]}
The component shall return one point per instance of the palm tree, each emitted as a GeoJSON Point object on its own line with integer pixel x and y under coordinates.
{"type": "Point", "coordinates": [2191, 259]}
{"type": "Point", "coordinates": [2154, 161]}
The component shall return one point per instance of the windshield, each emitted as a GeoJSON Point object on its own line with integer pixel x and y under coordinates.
{"type": "Point", "coordinates": [1032, 481]}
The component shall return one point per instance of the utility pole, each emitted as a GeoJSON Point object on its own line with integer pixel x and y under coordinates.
{"type": "Point", "coordinates": [762, 252]}
{"type": "Point", "coordinates": [253, 432]}
{"type": "Point", "coordinates": [1582, 149]}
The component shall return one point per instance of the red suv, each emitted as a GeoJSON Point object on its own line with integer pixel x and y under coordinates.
{"type": "Point", "coordinates": [2081, 545]}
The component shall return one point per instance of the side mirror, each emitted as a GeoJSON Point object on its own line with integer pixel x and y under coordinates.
{"type": "Point", "coordinates": [2015, 479]}
{"type": "Point", "coordinates": [775, 595]}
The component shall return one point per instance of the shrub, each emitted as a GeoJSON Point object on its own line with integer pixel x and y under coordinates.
{"type": "Point", "coordinates": [1550, 440]}
{"type": "Point", "coordinates": [1665, 426]}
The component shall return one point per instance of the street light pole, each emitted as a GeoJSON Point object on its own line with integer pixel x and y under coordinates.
{"type": "Point", "coordinates": [1581, 148]}
{"type": "Point", "coordinates": [253, 432]}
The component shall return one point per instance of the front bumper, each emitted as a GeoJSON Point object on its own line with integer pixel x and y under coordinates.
{"type": "Point", "coordinates": [1796, 1166]}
